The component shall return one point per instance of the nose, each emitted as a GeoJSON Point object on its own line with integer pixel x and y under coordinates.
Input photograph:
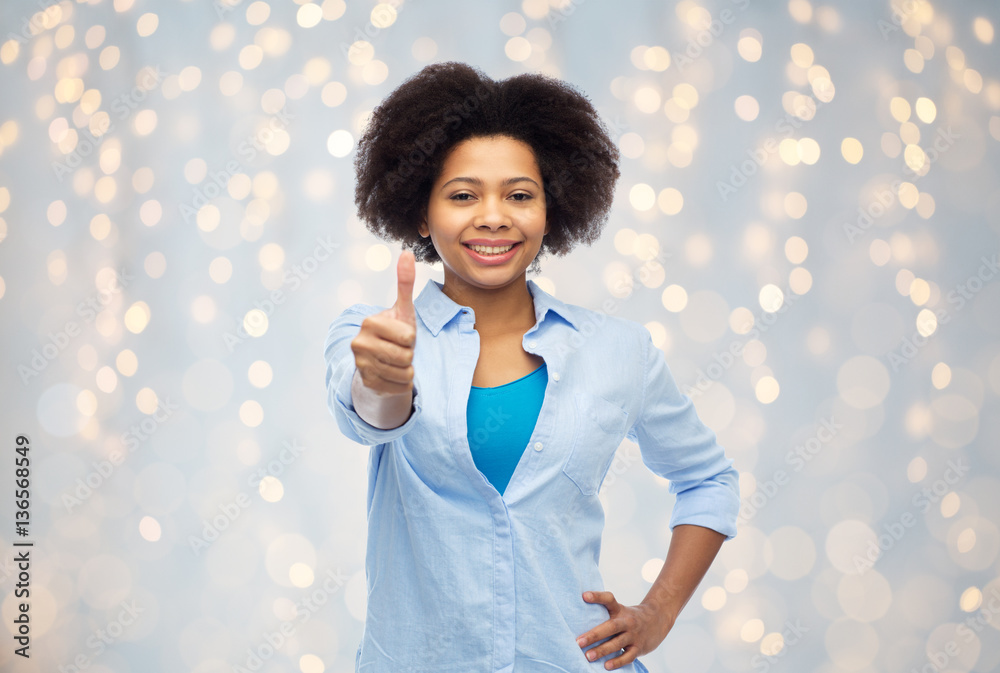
{"type": "Point", "coordinates": [492, 214]}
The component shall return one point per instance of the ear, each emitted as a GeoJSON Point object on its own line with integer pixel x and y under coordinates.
{"type": "Point", "coordinates": [547, 227]}
{"type": "Point", "coordinates": [423, 230]}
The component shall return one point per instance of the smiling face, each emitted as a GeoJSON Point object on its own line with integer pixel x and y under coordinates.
{"type": "Point", "coordinates": [486, 213]}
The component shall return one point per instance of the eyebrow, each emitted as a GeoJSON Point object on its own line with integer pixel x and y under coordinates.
{"type": "Point", "coordinates": [479, 183]}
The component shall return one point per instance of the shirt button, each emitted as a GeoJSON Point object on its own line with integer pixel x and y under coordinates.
{"type": "Point", "coordinates": [538, 446]}
{"type": "Point", "coordinates": [532, 344]}
{"type": "Point", "coordinates": [555, 376]}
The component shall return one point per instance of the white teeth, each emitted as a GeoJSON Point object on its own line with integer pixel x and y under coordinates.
{"type": "Point", "coordinates": [487, 250]}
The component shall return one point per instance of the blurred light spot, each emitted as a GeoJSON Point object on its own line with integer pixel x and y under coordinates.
{"type": "Point", "coordinates": [904, 279]}
{"type": "Point", "coordinates": [772, 644]}
{"type": "Point", "coordinates": [642, 197]}
{"type": "Point", "coordinates": [517, 49]}
{"type": "Point", "coordinates": [647, 99]}
{"type": "Point", "coordinates": [271, 256]}
{"type": "Point", "coordinates": [310, 663]}
{"type": "Point", "coordinates": [983, 29]}
{"type": "Point", "coordinates": [851, 150]}
{"type": "Point", "coordinates": [220, 270]}
{"type": "Point", "coordinates": [251, 413]}
{"type": "Point", "coordinates": [106, 380]}
{"type": "Point", "coordinates": [866, 596]}
{"type": "Point", "coordinates": [926, 322]}
{"type": "Point", "coordinates": [674, 298]}
{"type": "Point", "coordinates": [147, 23]}
{"type": "Point", "coordinates": [255, 322]}
{"type": "Point", "coordinates": [651, 569]}
{"type": "Point", "coordinates": [747, 108]}
{"type": "Point", "coordinates": [847, 541]}
{"type": "Point", "coordinates": [624, 240]}
{"type": "Point", "coordinates": [741, 320]}
{"type": "Point", "coordinates": [926, 110]}
{"type": "Point", "coordinates": [916, 470]}
{"type": "Point", "coordinates": [126, 362]}
{"type": "Point", "coordinates": [770, 298]}
{"type": "Point", "coordinates": [311, 14]}
{"type": "Point", "coordinates": [146, 400]}
{"type": "Point", "coordinates": [149, 529]}
{"type": "Point", "coordinates": [512, 24]}
{"type": "Point", "coordinates": [941, 375]}
{"type": "Point", "coordinates": [340, 143]}
{"type": "Point", "coordinates": [57, 268]}
{"type": "Point", "coordinates": [795, 205]}
{"type": "Point", "coordinates": [301, 575]}
{"type": "Point", "coordinates": [250, 56]}
{"type": "Point", "coordinates": [808, 151]}
{"type": "Point", "coordinates": [736, 580]}
{"type": "Point", "coordinates": [863, 381]}
{"type": "Point", "coordinates": [137, 317]}
{"type": "Point", "coordinates": [378, 257]}
{"type": "Point", "coordinates": [258, 12]}
{"type": "Point", "coordinates": [899, 108]}
{"type": "Point", "coordinates": [713, 599]}
{"type": "Point", "coordinates": [222, 36]}
{"type": "Point", "coordinates": [788, 150]}
{"type": "Point", "coordinates": [767, 389]}
{"type": "Point", "coordinates": [750, 45]}
{"type": "Point", "coordinates": [86, 402]}
{"type": "Point", "coordinates": [920, 291]}
{"type": "Point", "coordinates": [752, 630]}
{"type": "Point", "coordinates": [802, 55]}
{"type": "Point", "coordinates": [656, 58]}
{"type": "Point", "coordinates": [155, 264]}
{"type": "Point", "coordinates": [966, 541]}
{"type": "Point", "coordinates": [796, 250]}
{"type": "Point", "coordinates": [203, 309]}
{"type": "Point", "coordinates": [791, 552]}
{"type": "Point", "coordinates": [271, 489]}
{"type": "Point", "coordinates": [208, 217]}
{"type": "Point", "coordinates": [333, 94]}
{"type": "Point", "coordinates": [913, 60]}
{"type": "Point", "coordinates": [260, 374]}
{"type": "Point", "coordinates": [698, 249]}
{"type": "Point", "coordinates": [631, 145]}
{"type": "Point", "coordinates": [971, 599]}
{"type": "Point", "coordinates": [950, 504]}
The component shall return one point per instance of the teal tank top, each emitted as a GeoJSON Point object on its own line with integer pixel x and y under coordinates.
{"type": "Point", "coordinates": [500, 422]}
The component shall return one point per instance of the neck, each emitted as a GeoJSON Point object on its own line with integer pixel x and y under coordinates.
{"type": "Point", "coordinates": [498, 310]}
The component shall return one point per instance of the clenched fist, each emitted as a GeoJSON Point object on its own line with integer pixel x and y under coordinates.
{"type": "Point", "coordinates": [383, 349]}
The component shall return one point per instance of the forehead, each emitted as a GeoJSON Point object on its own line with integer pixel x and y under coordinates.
{"type": "Point", "coordinates": [491, 156]}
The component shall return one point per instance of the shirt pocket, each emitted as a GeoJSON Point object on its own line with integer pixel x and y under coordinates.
{"type": "Point", "coordinates": [598, 428]}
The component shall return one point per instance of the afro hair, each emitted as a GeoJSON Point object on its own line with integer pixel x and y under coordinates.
{"type": "Point", "coordinates": [410, 134]}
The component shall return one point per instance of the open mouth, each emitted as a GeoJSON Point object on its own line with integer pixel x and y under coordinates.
{"type": "Point", "coordinates": [491, 251]}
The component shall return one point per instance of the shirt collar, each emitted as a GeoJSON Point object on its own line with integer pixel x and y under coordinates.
{"type": "Point", "coordinates": [437, 309]}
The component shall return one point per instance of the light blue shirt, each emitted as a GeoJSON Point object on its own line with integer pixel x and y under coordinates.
{"type": "Point", "coordinates": [462, 579]}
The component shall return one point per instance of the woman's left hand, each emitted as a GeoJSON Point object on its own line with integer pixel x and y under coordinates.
{"type": "Point", "coordinates": [638, 629]}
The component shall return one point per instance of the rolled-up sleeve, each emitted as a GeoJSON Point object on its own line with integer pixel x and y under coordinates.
{"type": "Point", "coordinates": [676, 445]}
{"type": "Point", "coordinates": [340, 368]}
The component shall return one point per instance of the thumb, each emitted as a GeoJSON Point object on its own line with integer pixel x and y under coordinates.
{"type": "Point", "coordinates": [405, 275]}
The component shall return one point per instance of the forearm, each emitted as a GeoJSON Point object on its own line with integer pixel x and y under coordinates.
{"type": "Point", "coordinates": [692, 550]}
{"type": "Point", "coordinates": [382, 411]}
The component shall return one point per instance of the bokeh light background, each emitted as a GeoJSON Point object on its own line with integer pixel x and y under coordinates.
{"type": "Point", "coordinates": [811, 187]}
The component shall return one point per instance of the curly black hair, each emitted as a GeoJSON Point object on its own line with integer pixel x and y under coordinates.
{"type": "Point", "coordinates": [410, 134]}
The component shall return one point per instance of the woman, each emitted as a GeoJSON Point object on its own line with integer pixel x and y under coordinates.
{"type": "Point", "coordinates": [493, 409]}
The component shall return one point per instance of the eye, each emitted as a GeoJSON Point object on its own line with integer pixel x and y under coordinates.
{"type": "Point", "coordinates": [455, 196]}
{"type": "Point", "coordinates": [524, 194]}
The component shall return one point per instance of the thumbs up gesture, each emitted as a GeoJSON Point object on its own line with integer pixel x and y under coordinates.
{"type": "Point", "coordinates": [383, 349]}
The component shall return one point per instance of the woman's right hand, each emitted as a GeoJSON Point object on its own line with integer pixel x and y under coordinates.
{"type": "Point", "coordinates": [383, 349]}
